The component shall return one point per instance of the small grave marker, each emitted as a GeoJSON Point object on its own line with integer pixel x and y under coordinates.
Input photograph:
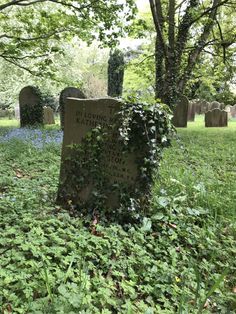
{"type": "Point", "coordinates": [216, 118]}
{"type": "Point", "coordinates": [180, 113]}
{"type": "Point", "coordinates": [31, 108]}
{"type": "Point", "coordinates": [48, 115]}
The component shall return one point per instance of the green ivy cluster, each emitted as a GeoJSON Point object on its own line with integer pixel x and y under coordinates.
{"type": "Point", "coordinates": [32, 115]}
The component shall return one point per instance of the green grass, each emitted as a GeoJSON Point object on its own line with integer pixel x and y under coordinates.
{"type": "Point", "coordinates": [180, 259]}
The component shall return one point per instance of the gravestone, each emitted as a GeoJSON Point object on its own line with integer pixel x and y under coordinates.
{"type": "Point", "coordinates": [197, 106]}
{"type": "Point", "coordinates": [68, 92]}
{"type": "Point", "coordinates": [48, 115]}
{"type": "Point", "coordinates": [180, 112]}
{"type": "Point", "coordinates": [191, 111]}
{"type": "Point", "coordinates": [17, 113]}
{"type": "Point", "coordinates": [31, 108]}
{"type": "Point", "coordinates": [215, 105]}
{"type": "Point", "coordinates": [216, 118]}
{"type": "Point", "coordinates": [233, 111]}
{"type": "Point", "coordinates": [117, 166]}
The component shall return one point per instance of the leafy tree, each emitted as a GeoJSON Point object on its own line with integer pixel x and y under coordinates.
{"type": "Point", "coordinates": [33, 29]}
{"type": "Point", "coordinates": [184, 29]}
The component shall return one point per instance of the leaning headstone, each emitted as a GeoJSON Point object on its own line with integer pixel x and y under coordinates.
{"type": "Point", "coordinates": [180, 112]}
{"type": "Point", "coordinates": [99, 166]}
{"type": "Point", "coordinates": [48, 115]}
{"type": "Point", "coordinates": [31, 106]}
{"type": "Point", "coordinates": [216, 118]}
{"type": "Point", "coordinates": [68, 92]}
{"type": "Point", "coordinates": [191, 111]}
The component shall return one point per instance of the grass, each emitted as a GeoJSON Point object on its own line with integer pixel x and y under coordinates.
{"type": "Point", "coordinates": [180, 259]}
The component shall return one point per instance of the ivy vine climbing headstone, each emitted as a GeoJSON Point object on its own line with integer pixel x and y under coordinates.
{"type": "Point", "coordinates": [98, 165]}
{"type": "Point", "coordinates": [68, 92]}
{"type": "Point", "coordinates": [31, 106]}
{"type": "Point", "coordinates": [180, 112]}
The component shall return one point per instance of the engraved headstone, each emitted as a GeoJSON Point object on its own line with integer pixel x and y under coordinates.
{"type": "Point", "coordinates": [68, 92]}
{"type": "Point", "coordinates": [180, 112]}
{"type": "Point", "coordinates": [191, 111]}
{"type": "Point", "coordinates": [48, 116]}
{"type": "Point", "coordinates": [81, 116]}
{"type": "Point", "coordinates": [216, 118]}
{"type": "Point", "coordinates": [31, 108]}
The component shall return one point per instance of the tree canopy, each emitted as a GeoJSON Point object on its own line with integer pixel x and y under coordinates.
{"type": "Point", "coordinates": [34, 29]}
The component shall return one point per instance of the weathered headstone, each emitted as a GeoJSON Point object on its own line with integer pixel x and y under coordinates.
{"type": "Point", "coordinates": [216, 118]}
{"type": "Point", "coordinates": [17, 113]}
{"type": "Point", "coordinates": [215, 105]}
{"type": "Point", "coordinates": [180, 112]}
{"type": "Point", "coordinates": [81, 116]}
{"type": "Point", "coordinates": [68, 92]}
{"type": "Point", "coordinates": [48, 116]}
{"type": "Point", "coordinates": [31, 107]}
{"type": "Point", "coordinates": [191, 111]}
{"type": "Point", "coordinates": [233, 111]}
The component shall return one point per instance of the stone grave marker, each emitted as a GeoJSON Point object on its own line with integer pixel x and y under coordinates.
{"type": "Point", "coordinates": [17, 112]}
{"type": "Point", "coordinates": [216, 118]}
{"type": "Point", "coordinates": [191, 111]}
{"type": "Point", "coordinates": [48, 115]}
{"type": "Point", "coordinates": [81, 116]}
{"type": "Point", "coordinates": [233, 111]}
{"type": "Point", "coordinates": [215, 105]}
{"type": "Point", "coordinates": [68, 92]}
{"type": "Point", "coordinates": [180, 112]}
{"type": "Point", "coordinates": [31, 108]}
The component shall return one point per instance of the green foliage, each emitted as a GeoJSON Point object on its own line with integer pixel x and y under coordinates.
{"type": "Point", "coordinates": [179, 259]}
{"type": "Point", "coordinates": [34, 31]}
{"type": "Point", "coordinates": [32, 115]}
{"type": "Point", "coordinates": [115, 73]}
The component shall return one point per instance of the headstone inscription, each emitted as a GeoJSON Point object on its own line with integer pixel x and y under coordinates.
{"type": "Point", "coordinates": [68, 92]}
{"type": "Point", "coordinates": [180, 112]}
{"type": "Point", "coordinates": [216, 118]}
{"type": "Point", "coordinates": [191, 111]}
{"type": "Point", "coordinates": [48, 116]}
{"type": "Point", "coordinates": [118, 167]}
{"type": "Point", "coordinates": [31, 108]}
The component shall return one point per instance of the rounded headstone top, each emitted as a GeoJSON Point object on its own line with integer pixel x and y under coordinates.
{"type": "Point", "coordinates": [29, 95]}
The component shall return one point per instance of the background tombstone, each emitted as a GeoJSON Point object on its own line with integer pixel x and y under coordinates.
{"type": "Point", "coordinates": [48, 115]}
{"type": "Point", "coordinates": [180, 112]}
{"type": "Point", "coordinates": [191, 111]}
{"type": "Point", "coordinates": [215, 105]}
{"type": "Point", "coordinates": [31, 107]}
{"type": "Point", "coordinates": [81, 116]}
{"type": "Point", "coordinates": [204, 105]}
{"type": "Point", "coordinates": [68, 92]}
{"type": "Point", "coordinates": [216, 118]}
{"type": "Point", "coordinates": [17, 112]}
{"type": "Point", "coordinates": [233, 111]}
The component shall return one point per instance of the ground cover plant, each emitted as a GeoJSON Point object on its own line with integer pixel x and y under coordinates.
{"type": "Point", "coordinates": [179, 259]}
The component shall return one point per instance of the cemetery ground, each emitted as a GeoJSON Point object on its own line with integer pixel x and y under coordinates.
{"type": "Point", "coordinates": [179, 259]}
